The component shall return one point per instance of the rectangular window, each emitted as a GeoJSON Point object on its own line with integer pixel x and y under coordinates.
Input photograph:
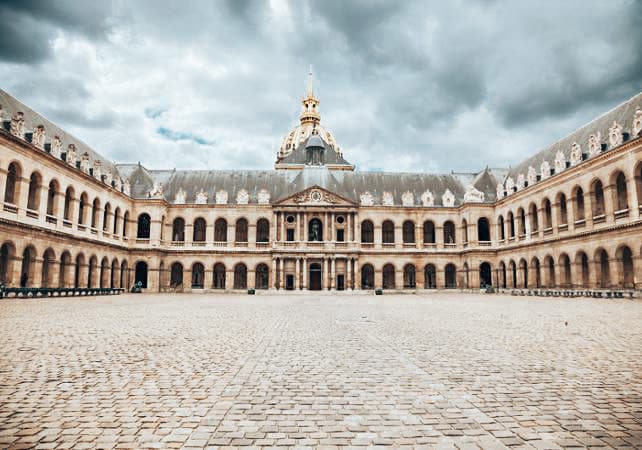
{"type": "Point", "coordinates": [340, 235]}
{"type": "Point", "coordinates": [290, 234]}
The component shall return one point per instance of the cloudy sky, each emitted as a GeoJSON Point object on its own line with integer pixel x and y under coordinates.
{"type": "Point", "coordinates": [412, 85]}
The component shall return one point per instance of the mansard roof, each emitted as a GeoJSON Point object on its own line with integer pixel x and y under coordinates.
{"type": "Point", "coordinates": [621, 114]}
{"type": "Point", "coordinates": [281, 184]}
{"type": "Point", "coordinates": [10, 106]}
{"type": "Point", "coordinates": [298, 156]}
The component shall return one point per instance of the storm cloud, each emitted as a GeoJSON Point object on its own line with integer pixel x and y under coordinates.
{"type": "Point", "coordinates": [403, 85]}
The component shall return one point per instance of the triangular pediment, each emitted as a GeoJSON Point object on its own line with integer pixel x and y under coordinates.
{"type": "Point", "coordinates": [316, 196]}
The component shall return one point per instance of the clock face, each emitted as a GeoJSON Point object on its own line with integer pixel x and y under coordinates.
{"type": "Point", "coordinates": [315, 196]}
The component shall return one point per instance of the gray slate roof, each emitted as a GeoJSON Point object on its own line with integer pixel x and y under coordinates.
{"type": "Point", "coordinates": [284, 183]}
{"type": "Point", "coordinates": [298, 155]}
{"type": "Point", "coordinates": [10, 106]}
{"type": "Point", "coordinates": [622, 114]}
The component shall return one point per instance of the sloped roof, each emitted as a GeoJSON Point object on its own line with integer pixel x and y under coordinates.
{"type": "Point", "coordinates": [11, 105]}
{"type": "Point", "coordinates": [298, 155]}
{"type": "Point", "coordinates": [622, 114]}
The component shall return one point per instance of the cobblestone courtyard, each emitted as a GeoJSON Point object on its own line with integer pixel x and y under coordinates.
{"type": "Point", "coordinates": [442, 370]}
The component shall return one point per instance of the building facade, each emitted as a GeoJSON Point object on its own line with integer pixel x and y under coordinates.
{"type": "Point", "coordinates": [567, 217]}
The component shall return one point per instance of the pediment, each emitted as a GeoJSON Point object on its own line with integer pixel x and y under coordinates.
{"type": "Point", "coordinates": [316, 196]}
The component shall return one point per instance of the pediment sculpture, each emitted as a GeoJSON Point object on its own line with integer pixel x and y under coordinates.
{"type": "Point", "coordinates": [180, 197]}
{"type": "Point", "coordinates": [615, 135]}
{"type": "Point", "coordinates": [387, 199]}
{"type": "Point", "coordinates": [427, 198]}
{"type": "Point", "coordinates": [531, 176]}
{"type": "Point", "coordinates": [560, 161]}
{"type": "Point", "coordinates": [263, 197]}
{"type": "Point", "coordinates": [576, 154]}
{"type": "Point", "coordinates": [473, 195]}
{"type": "Point", "coordinates": [366, 199]}
{"type": "Point", "coordinates": [637, 122]}
{"type": "Point", "coordinates": [221, 197]}
{"type": "Point", "coordinates": [595, 144]}
{"type": "Point", "coordinates": [242, 197]}
{"type": "Point", "coordinates": [38, 137]}
{"type": "Point", "coordinates": [201, 197]}
{"type": "Point", "coordinates": [545, 170]}
{"type": "Point", "coordinates": [408, 199]}
{"type": "Point", "coordinates": [56, 147]}
{"type": "Point", "coordinates": [448, 199]}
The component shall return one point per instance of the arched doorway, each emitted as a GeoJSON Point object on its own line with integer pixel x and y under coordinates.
{"type": "Point", "coordinates": [27, 270]}
{"type": "Point", "coordinates": [262, 280]}
{"type": "Point", "coordinates": [367, 277]}
{"type": "Point", "coordinates": [219, 276]}
{"type": "Point", "coordinates": [430, 276]}
{"type": "Point", "coordinates": [176, 276]}
{"type": "Point", "coordinates": [240, 276]}
{"type": "Point", "coordinates": [485, 275]}
{"type": "Point", "coordinates": [141, 274]}
{"type": "Point", "coordinates": [198, 276]}
{"type": "Point", "coordinates": [388, 276]}
{"type": "Point", "coordinates": [315, 277]}
{"type": "Point", "coordinates": [409, 276]}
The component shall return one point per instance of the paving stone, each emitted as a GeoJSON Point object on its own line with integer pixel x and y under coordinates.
{"type": "Point", "coordinates": [306, 371]}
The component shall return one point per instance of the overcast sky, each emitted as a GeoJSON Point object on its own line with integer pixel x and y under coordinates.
{"type": "Point", "coordinates": [411, 85]}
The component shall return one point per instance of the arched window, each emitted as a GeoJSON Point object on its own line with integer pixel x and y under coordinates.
{"type": "Point", "coordinates": [563, 218]}
{"type": "Point", "coordinates": [548, 213]}
{"type": "Point", "coordinates": [511, 225]}
{"type": "Point", "coordinates": [126, 224]}
{"type": "Point", "coordinates": [106, 213]}
{"type": "Point", "coordinates": [141, 274]}
{"type": "Point", "coordinates": [483, 230]}
{"type": "Point", "coordinates": [241, 230]}
{"type": "Point", "coordinates": [220, 230]}
{"type": "Point", "coordinates": [367, 277]}
{"type": "Point", "coordinates": [622, 200]}
{"type": "Point", "coordinates": [451, 276]}
{"type": "Point", "coordinates": [69, 199]}
{"type": "Point", "coordinates": [219, 276]}
{"type": "Point", "coordinates": [95, 210]}
{"type": "Point", "coordinates": [388, 231]}
{"type": "Point", "coordinates": [429, 232]}
{"type": "Point", "coordinates": [388, 276]}
{"type": "Point", "coordinates": [176, 276]}
{"type": "Point", "coordinates": [449, 233]}
{"type": "Point", "coordinates": [408, 231]}
{"type": "Point", "coordinates": [262, 279]}
{"type": "Point", "coordinates": [11, 189]}
{"type": "Point", "coordinates": [315, 230]}
{"type": "Point", "coordinates": [409, 277]}
{"type": "Point", "coordinates": [485, 275]}
{"type": "Point", "coordinates": [51, 198]}
{"type": "Point", "coordinates": [367, 232]}
{"type": "Point", "coordinates": [532, 212]}
{"type": "Point", "coordinates": [578, 195]}
{"type": "Point", "coordinates": [500, 227]}
{"type": "Point", "coordinates": [198, 276]}
{"type": "Point", "coordinates": [200, 228]}
{"type": "Point", "coordinates": [262, 230]}
{"type": "Point", "coordinates": [144, 225]}
{"type": "Point", "coordinates": [597, 195]}
{"type": "Point", "coordinates": [464, 230]}
{"type": "Point", "coordinates": [240, 276]}
{"type": "Point", "coordinates": [33, 202]}
{"type": "Point", "coordinates": [82, 208]}
{"type": "Point", "coordinates": [430, 276]}
{"type": "Point", "coordinates": [178, 230]}
{"type": "Point", "coordinates": [521, 222]}
{"type": "Point", "coordinates": [116, 221]}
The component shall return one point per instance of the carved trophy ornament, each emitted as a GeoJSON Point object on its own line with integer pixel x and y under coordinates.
{"type": "Point", "coordinates": [366, 199]}
{"type": "Point", "coordinates": [408, 199]}
{"type": "Point", "coordinates": [545, 170]}
{"type": "Point", "coordinates": [263, 197]}
{"type": "Point", "coordinates": [387, 199]}
{"type": "Point", "coordinates": [97, 169]}
{"type": "Point", "coordinates": [427, 198]}
{"type": "Point", "coordinates": [56, 147]}
{"type": "Point", "coordinates": [531, 176]}
{"type": "Point", "coordinates": [180, 197]}
{"type": "Point", "coordinates": [637, 121]}
{"type": "Point", "coordinates": [156, 191]}
{"type": "Point", "coordinates": [473, 195]}
{"type": "Point", "coordinates": [38, 138]}
{"type": "Point", "coordinates": [221, 197]}
{"type": "Point", "coordinates": [520, 181]}
{"type": "Point", "coordinates": [17, 124]}
{"type": "Point", "coordinates": [448, 199]}
{"type": "Point", "coordinates": [500, 191]}
{"type": "Point", "coordinates": [84, 162]}
{"type": "Point", "coordinates": [201, 197]}
{"type": "Point", "coordinates": [595, 144]}
{"type": "Point", "coordinates": [576, 154]}
{"type": "Point", "coordinates": [510, 185]}
{"type": "Point", "coordinates": [127, 189]}
{"type": "Point", "coordinates": [615, 135]}
{"type": "Point", "coordinates": [560, 161]}
{"type": "Point", "coordinates": [242, 197]}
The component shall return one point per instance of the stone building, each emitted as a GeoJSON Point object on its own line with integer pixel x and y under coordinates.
{"type": "Point", "coordinates": [567, 217]}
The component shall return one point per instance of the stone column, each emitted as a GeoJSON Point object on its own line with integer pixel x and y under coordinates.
{"type": "Point", "coordinates": [332, 236]}
{"type": "Point", "coordinates": [324, 280]}
{"type": "Point", "coordinates": [35, 274]}
{"type": "Point", "coordinates": [378, 278]}
{"type": "Point", "coordinates": [349, 235]}
{"type": "Point", "coordinates": [273, 278]}
{"type": "Point", "coordinates": [251, 234]}
{"type": "Point", "coordinates": [304, 263]}
{"type": "Point", "coordinates": [588, 209]}
{"type": "Point", "coordinates": [333, 275]}
{"type": "Point", "coordinates": [615, 272]}
{"type": "Point", "coordinates": [22, 197]}
{"type": "Point", "coordinates": [632, 181]}
{"type": "Point", "coordinates": [305, 227]}
{"type": "Point", "coordinates": [251, 278]}
{"type": "Point", "coordinates": [3, 183]}
{"type": "Point", "coordinates": [419, 278]}
{"type": "Point", "coordinates": [281, 218]}
{"type": "Point", "coordinates": [282, 274]}
{"type": "Point", "coordinates": [297, 276]}
{"type": "Point", "coordinates": [44, 198]}
{"type": "Point", "coordinates": [398, 236]}
{"type": "Point", "coordinates": [348, 285]}
{"type": "Point", "coordinates": [440, 278]}
{"type": "Point", "coordinates": [59, 205]}
{"type": "Point", "coordinates": [274, 227]}
{"type": "Point", "coordinates": [399, 278]}
{"type": "Point", "coordinates": [473, 278]}
{"type": "Point", "coordinates": [609, 204]}
{"type": "Point", "coordinates": [356, 281]}
{"type": "Point", "coordinates": [356, 235]}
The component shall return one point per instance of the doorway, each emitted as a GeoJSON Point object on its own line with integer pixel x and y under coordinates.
{"type": "Point", "coordinates": [315, 277]}
{"type": "Point", "coordinates": [289, 282]}
{"type": "Point", "coordinates": [340, 283]}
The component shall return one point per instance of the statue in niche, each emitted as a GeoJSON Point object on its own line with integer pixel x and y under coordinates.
{"type": "Point", "coordinates": [315, 230]}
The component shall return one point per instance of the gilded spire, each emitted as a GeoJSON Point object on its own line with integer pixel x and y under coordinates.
{"type": "Point", "coordinates": [310, 91]}
{"type": "Point", "coordinates": [310, 113]}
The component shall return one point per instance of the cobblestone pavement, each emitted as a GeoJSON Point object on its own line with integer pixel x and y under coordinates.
{"type": "Point", "coordinates": [435, 371]}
